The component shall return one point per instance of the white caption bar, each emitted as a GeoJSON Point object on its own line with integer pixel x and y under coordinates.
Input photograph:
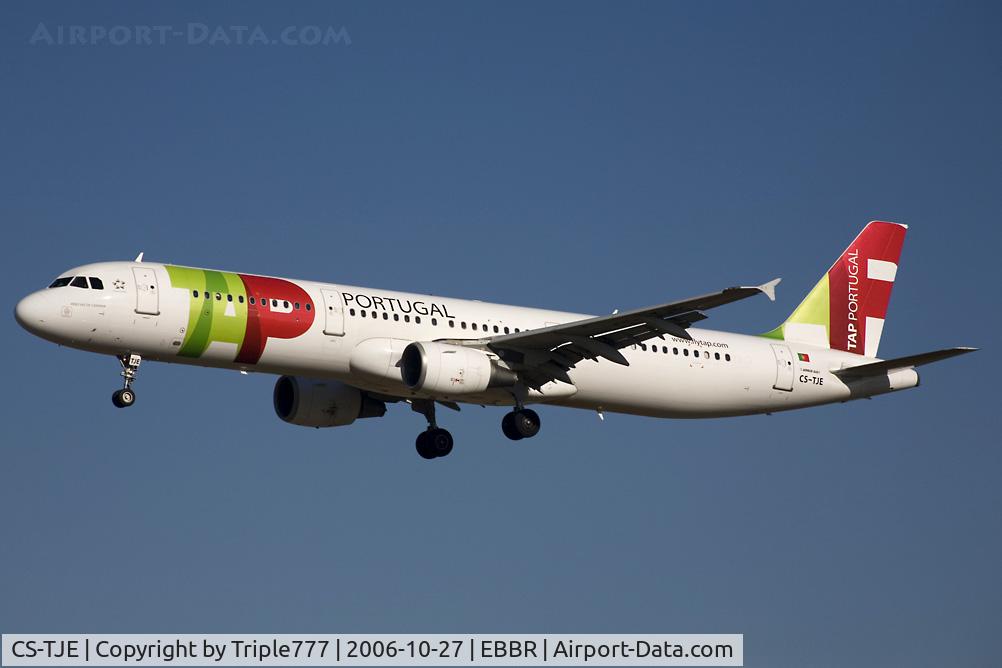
{"type": "Point", "coordinates": [717, 649]}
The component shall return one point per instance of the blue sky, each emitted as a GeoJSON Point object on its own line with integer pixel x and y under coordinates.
{"type": "Point", "coordinates": [575, 156]}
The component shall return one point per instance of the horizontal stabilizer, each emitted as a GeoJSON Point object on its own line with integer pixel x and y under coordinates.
{"type": "Point", "coordinates": [879, 368]}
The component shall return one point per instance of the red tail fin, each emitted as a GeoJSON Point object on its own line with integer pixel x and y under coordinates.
{"type": "Point", "coordinates": [860, 285]}
{"type": "Point", "coordinates": [847, 308]}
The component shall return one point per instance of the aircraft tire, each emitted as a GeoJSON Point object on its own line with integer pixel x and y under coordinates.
{"type": "Point", "coordinates": [123, 398]}
{"type": "Point", "coordinates": [424, 445]}
{"type": "Point", "coordinates": [526, 422]}
{"type": "Point", "coordinates": [508, 427]}
{"type": "Point", "coordinates": [441, 442]}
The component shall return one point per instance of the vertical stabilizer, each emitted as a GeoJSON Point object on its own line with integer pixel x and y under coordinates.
{"type": "Point", "coordinates": [847, 308]}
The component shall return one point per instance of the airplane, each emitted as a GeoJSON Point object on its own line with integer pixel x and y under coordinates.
{"type": "Point", "coordinates": [343, 353]}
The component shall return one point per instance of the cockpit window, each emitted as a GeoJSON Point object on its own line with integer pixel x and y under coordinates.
{"type": "Point", "coordinates": [61, 282]}
{"type": "Point", "coordinates": [96, 283]}
{"type": "Point", "coordinates": [79, 282]}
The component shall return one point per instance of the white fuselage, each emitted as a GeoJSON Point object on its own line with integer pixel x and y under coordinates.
{"type": "Point", "coordinates": [356, 335]}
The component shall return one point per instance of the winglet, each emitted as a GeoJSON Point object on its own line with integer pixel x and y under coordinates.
{"type": "Point", "coordinates": [769, 289]}
{"type": "Point", "coordinates": [139, 258]}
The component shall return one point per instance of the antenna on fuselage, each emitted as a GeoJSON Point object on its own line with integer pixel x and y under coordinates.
{"type": "Point", "coordinates": [139, 258]}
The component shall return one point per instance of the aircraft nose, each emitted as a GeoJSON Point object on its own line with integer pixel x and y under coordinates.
{"type": "Point", "coordinates": [30, 313]}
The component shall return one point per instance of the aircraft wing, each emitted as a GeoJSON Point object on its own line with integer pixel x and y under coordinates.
{"type": "Point", "coordinates": [545, 354]}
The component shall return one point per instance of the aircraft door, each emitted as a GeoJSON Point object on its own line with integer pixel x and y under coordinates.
{"type": "Point", "coordinates": [784, 367]}
{"type": "Point", "coordinates": [147, 295]}
{"type": "Point", "coordinates": [333, 313]}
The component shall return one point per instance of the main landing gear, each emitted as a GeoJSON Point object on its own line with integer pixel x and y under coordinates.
{"type": "Point", "coordinates": [520, 423]}
{"type": "Point", "coordinates": [125, 397]}
{"type": "Point", "coordinates": [434, 441]}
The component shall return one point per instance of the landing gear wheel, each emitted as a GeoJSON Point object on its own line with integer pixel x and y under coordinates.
{"type": "Point", "coordinates": [526, 422]}
{"type": "Point", "coordinates": [123, 398]}
{"type": "Point", "coordinates": [423, 445]}
{"type": "Point", "coordinates": [434, 443]}
{"type": "Point", "coordinates": [508, 427]}
{"type": "Point", "coordinates": [441, 442]}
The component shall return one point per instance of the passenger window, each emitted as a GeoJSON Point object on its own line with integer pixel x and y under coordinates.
{"type": "Point", "coordinates": [417, 320]}
{"type": "Point", "coordinates": [206, 295]}
{"type": "Point", "coordinates": [685, 351]}
{"type": "Point", "coordinates": [407, 318]}
{"type": "Point", "coordinates": [374, 315]}
{"type": "Point", "coordinates": [219, 297]}
{"type": "Point", "coordinates": [506, 330]}
{"type": "Point", "coordinates": [517, 330]}
{"type": "Point", "coordinates": [434, 321]}
{"type": "Point", "coordinates": [462, 325]}
{"type": "Point", "coordinates": [386, 316]}
{"type": "Point", "coordinates": [351, 311]}
{"type": "Point", "coordinates": [396, 317]}
{"type": "Point", "coordinates": [496, 329]}
{"type": "Point", "coordinates": [643, 346]}
{"type": "Point", "coordinates": [308, 307]}
{"type": "Point", "coordinates": [252, 300]}
{"type": "Point", "coordinates": [240, 299]}
{"type": "Point", "coordinates": [664, 349]}
{"type": "Point", "coordinates": [61, 282]}
{"type": "Point", "coordinates": [79, 282]}
{"type": "Point", "coordinates": [285, 304]}
{"type": "Point", "coordinates": [296, 306]}
{"type": "Point", "coordinates": [674, 351]}
{"type": "Point", "coordinates": [727, 356]}
{"type": "Point", "coordinates": [195, 293]}
{"type": "Point", "coordinates": [274, 303]}
{"type": "Point", "coordinates": [452, 323]}
{"type": "Point", "coordinates": [96, 284]}
{"type": "Point", "coordinates": [229, 298]}
{"type": "Point", "coordinates": [716, 356]}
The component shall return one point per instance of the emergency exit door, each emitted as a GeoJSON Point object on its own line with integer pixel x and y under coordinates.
{"type": "Point", "coordinates": [784, 367]}
{"type": "Point", "coordinates": [333, 313]}
{"type": "Point", "coordinates": [147, 295]}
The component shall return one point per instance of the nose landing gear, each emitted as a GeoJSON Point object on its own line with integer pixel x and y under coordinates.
{"type": "Point", "coordinates": [125, 397]}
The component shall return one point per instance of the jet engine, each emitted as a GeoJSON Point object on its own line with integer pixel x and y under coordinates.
{"type": "Point", "coordinates": [441, 368]}
{"type": "Point", "coordinates": [309, 402]}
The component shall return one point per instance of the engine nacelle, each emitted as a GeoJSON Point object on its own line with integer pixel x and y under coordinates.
{"type": "Point", "coordinates": [445, 369]}
{"type": "Point", "coordinates": [309, 402]}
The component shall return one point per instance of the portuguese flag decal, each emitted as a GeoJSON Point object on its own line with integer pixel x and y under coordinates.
{"type": "Point", "coordinates": [803, 357]}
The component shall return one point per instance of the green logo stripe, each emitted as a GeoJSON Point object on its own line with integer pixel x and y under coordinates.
{"type": "Point", "coordinates": [211, 319]}
{"type": "Point", "coordinates": [814, 310]}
